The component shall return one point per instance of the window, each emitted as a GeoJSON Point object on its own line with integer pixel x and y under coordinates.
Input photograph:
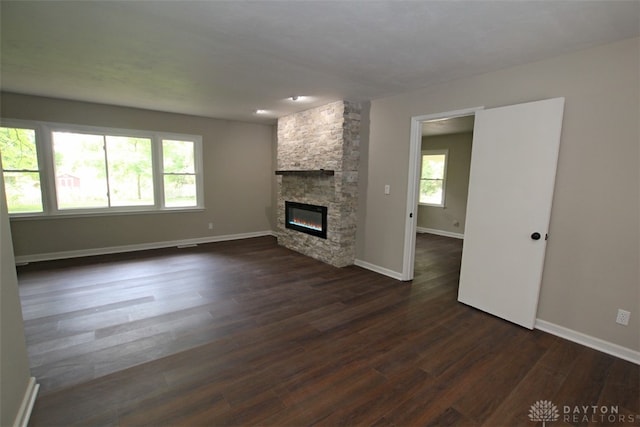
{"type": "Point", "coordinates": [98, 170]}
{"type": "Point", "coordinates": [432, 178]}
{"type": "Point", "coordinates": [20, 169]}
{"type": "Point", "coordinates": [178, 170]}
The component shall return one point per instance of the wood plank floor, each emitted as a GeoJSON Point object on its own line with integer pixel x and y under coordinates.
{"type": "Point", "coordinates": [250, 333]}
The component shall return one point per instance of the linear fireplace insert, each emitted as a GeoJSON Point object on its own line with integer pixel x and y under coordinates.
{"type": "Point", "coordinates": [310, 219]}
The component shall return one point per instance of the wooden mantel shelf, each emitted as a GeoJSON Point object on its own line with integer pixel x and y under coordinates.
{"type": "Point", "coordinates": [313, 172]}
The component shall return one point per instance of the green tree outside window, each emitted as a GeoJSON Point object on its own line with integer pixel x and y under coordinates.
{"type": "Point", "coordinates": [432, 178]}
{"type": "Point", "coordinates": [20, 170]}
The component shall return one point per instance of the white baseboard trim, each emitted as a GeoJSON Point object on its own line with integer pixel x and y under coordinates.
{"type": "Point", "coordinates": [23, 259]}
{"type": "Point", "coordinates": [28, 400]}
{"type": "Point", "coordinates": [440, 232]}
{"type": "Point", "coordinates": [378, 269]}
{"type": "Point", "coordinates": [589, 341]}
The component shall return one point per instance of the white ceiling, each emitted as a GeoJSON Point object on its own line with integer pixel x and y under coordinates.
{"type": "Point", "coordinates": [226, 59]}
{"type": "Point", "coordinates": [448, 126]}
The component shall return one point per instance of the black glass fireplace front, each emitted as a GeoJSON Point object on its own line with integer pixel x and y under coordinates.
{"type": "Point", "coordinates": [310, 219]}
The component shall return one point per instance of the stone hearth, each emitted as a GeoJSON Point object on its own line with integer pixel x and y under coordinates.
{"type": "Point", "coordinates": [324, 138]}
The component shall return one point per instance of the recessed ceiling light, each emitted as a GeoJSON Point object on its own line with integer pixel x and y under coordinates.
{"type": "Point", "coordinates": [299, 98]}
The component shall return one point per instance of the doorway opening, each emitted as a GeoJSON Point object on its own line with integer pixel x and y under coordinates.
{"type": "Point", "coordinates": [446, 221]}
{"type": "Point", "coordinates": [511, 183]}
{"type": "Point", "coordinates": [442, 197]}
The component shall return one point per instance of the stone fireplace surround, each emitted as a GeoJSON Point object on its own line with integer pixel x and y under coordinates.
{"type": "Point", "coordinates": [317, 163]}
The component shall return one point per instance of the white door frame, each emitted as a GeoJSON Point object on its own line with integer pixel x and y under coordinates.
{"type": "Point", "coordinates": [415, 149]}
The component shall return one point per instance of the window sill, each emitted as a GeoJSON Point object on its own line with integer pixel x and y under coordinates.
{"type": "Point", "coordinates": [428, 205]}
{"type": "Point", "coordinates": [37, 217]}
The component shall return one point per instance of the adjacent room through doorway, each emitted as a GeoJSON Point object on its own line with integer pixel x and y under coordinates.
{"type": "Point", "coordinates": [445, 159]}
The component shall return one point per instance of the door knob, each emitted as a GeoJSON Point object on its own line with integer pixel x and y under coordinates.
{"type": "Point", "coordinates": [535, 236]}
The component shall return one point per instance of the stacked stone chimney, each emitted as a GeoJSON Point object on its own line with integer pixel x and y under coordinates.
{"type": "Point", "coordinates": [327, 138]}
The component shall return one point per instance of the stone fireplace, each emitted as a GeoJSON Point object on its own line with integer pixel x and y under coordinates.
{"type": "Point", "coordinates": [317, 164]}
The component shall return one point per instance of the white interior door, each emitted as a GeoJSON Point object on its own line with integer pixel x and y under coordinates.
{"type": "Point", "coordinates": [513, 168]}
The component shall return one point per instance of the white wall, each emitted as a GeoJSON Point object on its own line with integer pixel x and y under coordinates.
{"type": "Point", "coordinates": [591, 266]}
{"type": "Point", "coordinates": [238, 181]}
{"type": "Point", "coordinates": [14, 365]}
{"type": "Point", "coordinates": [458, 146]}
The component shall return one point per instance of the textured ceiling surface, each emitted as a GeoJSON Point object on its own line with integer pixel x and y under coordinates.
{"type": "Point", "coordinates": [226, 59]}
{"type": "Point", "coordinates": [448, 126]}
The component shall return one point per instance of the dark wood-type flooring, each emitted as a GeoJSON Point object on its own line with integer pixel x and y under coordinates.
{"type": "Point", "coordinates": [249, 333]}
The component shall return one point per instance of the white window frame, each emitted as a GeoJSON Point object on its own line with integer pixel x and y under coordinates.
{"type": "Point", "coordinates": [444, 152]}
{"type": "Point", "coordinates": [198, 170]}
{"type": "Point", "coordinates": [44, 148]}
{"type": "Point", "coordinates": [39, 158]}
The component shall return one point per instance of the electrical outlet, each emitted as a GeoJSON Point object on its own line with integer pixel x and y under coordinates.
{"type": "Point", "coordinates": [623, 317]}
{"type": "Point", "coordinates": [210, 226]}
